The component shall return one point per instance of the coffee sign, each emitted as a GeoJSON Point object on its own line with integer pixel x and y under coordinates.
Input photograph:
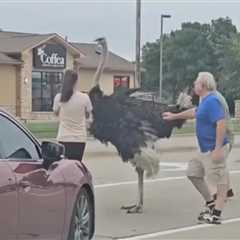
{"type": "Point", "coordinates": [49, 56]}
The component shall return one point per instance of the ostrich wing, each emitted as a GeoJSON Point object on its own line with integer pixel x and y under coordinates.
{"type": "Point", "coordinates": [129, 123]}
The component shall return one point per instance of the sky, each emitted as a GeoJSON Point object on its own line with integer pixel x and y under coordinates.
{"type": "Point", "coordinates": [86, 20]}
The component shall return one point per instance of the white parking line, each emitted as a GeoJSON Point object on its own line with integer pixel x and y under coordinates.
{"type": "Point", "coordinates": [173, 166]}
{"type": "Point", "coordinates": [135, 182]}
{"type": "Point", "coordinates": [178, 230]}
{"type": "Point", "coordinates": [148, 181]}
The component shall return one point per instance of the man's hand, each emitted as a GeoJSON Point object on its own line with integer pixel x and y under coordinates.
{"type": "Point", "coordinates": [169, 116]}
{"type": "Point", "coordinates": [217, 154]}
{"type": "Point", "coordinates": [188, 114]}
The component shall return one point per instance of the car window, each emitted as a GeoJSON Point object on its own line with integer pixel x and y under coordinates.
{"type": "Point", "coordinates": [14, 143]}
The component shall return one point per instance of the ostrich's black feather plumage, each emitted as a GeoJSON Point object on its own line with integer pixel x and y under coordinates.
{"type": "Point", "coordinates": [129, 122]}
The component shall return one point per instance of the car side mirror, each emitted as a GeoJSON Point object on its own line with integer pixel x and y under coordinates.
{"type": "Point", "coordinates": [51, 152]}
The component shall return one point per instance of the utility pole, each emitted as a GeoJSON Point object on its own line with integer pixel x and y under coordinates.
{"type": "Point", "coordinates": [161, 53]}
{"type": "Point", "coordinates": [137, 80]}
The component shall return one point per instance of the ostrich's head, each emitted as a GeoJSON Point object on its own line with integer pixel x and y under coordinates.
{"type": "Point", "coordinates": [184, 100]}
{"type": "Point", "coordinates": [101, 45]}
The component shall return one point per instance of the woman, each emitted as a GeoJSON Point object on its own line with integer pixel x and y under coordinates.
{"type": "Point", "coordinates": [73, 109]}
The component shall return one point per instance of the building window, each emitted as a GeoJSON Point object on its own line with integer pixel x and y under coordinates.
{"type": "Point", "coordinates": [45, 85]}
{"type": "Point", "coordinates": [121, 82]}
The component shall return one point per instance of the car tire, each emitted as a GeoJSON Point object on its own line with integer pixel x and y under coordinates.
{"type": "Point", "coordinates": [82, 222]}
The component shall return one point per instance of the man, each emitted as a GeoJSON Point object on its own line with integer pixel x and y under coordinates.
{"type": "Point", "coordinates": [214, 147]}
{"type": "Point", "coordinates": [229, 133]}
{"type": "Point", "coordinates": [230, 136]}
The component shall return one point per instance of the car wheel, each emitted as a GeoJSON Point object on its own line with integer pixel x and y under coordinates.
{"type": "Point", "coordinates": [82, 218]}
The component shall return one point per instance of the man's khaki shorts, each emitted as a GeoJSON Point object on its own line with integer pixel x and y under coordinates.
{"type": "Point", "coordinates": [216, 171]}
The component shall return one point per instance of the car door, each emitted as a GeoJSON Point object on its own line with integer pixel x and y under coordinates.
{"type": "Point", "coordinates": [41, 195]}
{"type": "Point", "coordinates": [8, 201]}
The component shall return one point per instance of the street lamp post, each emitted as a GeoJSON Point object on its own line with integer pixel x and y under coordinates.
{"type": "Point", "coordinates": [137, 82]}
{"type": "Point", "coordinates": [161, 51]}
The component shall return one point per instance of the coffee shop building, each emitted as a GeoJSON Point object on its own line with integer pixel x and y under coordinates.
{"type": "Point", "coordinates": [32, 68]}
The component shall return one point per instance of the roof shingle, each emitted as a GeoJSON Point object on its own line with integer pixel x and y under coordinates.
{"type": "Point", "coordinates": [15, 42]}
{"type": "Point", "coordinates": [4, 59]}
{"type": "Point", "coordinates": [11, 42]}
{"type": "Point", "coordinates": [114, 62]}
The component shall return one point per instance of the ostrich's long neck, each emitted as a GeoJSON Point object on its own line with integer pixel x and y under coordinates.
{"type": "Point", "coordinates": [101, 65]}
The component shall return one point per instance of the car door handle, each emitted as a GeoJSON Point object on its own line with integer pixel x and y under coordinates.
{"type": "Point", "coordinates": [10, 179]}
{"type": "Point", "coordinates": [24, 184]}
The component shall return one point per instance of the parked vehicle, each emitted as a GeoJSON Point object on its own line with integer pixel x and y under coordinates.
{"type": "Point", "coordinates": [42, 194]}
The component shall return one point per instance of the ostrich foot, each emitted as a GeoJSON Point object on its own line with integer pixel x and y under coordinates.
{"type": "Point", "coordinates": [133, 209]}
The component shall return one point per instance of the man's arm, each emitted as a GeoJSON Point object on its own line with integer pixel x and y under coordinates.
{"type": "Point", "coordinates": [188, 114]}
{"type": "Point", "coordinates": [218, 152]}
{"type": "Point", "coordinates": [220, 133]}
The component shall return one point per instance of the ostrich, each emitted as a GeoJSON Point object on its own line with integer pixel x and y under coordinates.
{"type": "Point", "coordinates": [131, 124]}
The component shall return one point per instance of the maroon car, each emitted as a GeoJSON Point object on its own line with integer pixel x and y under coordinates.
{"type": "Point", "coordinates": [42, 195]}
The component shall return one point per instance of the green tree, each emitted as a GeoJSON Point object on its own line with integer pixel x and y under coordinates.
{"type": "Point", "coordinates": [222, 32]}
{"type": "Point", "coordinates": [186, 52]}
{"type": "Point", "coordinates": [195, 47]}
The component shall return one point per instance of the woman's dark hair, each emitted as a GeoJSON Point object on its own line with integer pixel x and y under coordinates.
{"type": "Point", "coordinates": [70, 79]}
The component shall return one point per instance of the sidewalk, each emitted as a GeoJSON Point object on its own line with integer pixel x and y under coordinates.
{"type": "Point", "coordinates": [186, 143]}
{"type": "Point", "coordinates": [173, 144]}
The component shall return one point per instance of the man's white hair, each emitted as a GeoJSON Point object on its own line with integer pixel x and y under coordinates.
{"type": "Point", "coordinates": [208, 81]}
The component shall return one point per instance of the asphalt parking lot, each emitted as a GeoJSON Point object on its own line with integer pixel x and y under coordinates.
{"type": "Point", "coordinates": [171, 204]}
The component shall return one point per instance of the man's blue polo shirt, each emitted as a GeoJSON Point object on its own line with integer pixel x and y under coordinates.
{"type": "Point", "coordinates": [208, 113]}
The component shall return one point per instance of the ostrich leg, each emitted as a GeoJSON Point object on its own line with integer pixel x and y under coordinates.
{"type": "Point", "coordinates": [138, 208]}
